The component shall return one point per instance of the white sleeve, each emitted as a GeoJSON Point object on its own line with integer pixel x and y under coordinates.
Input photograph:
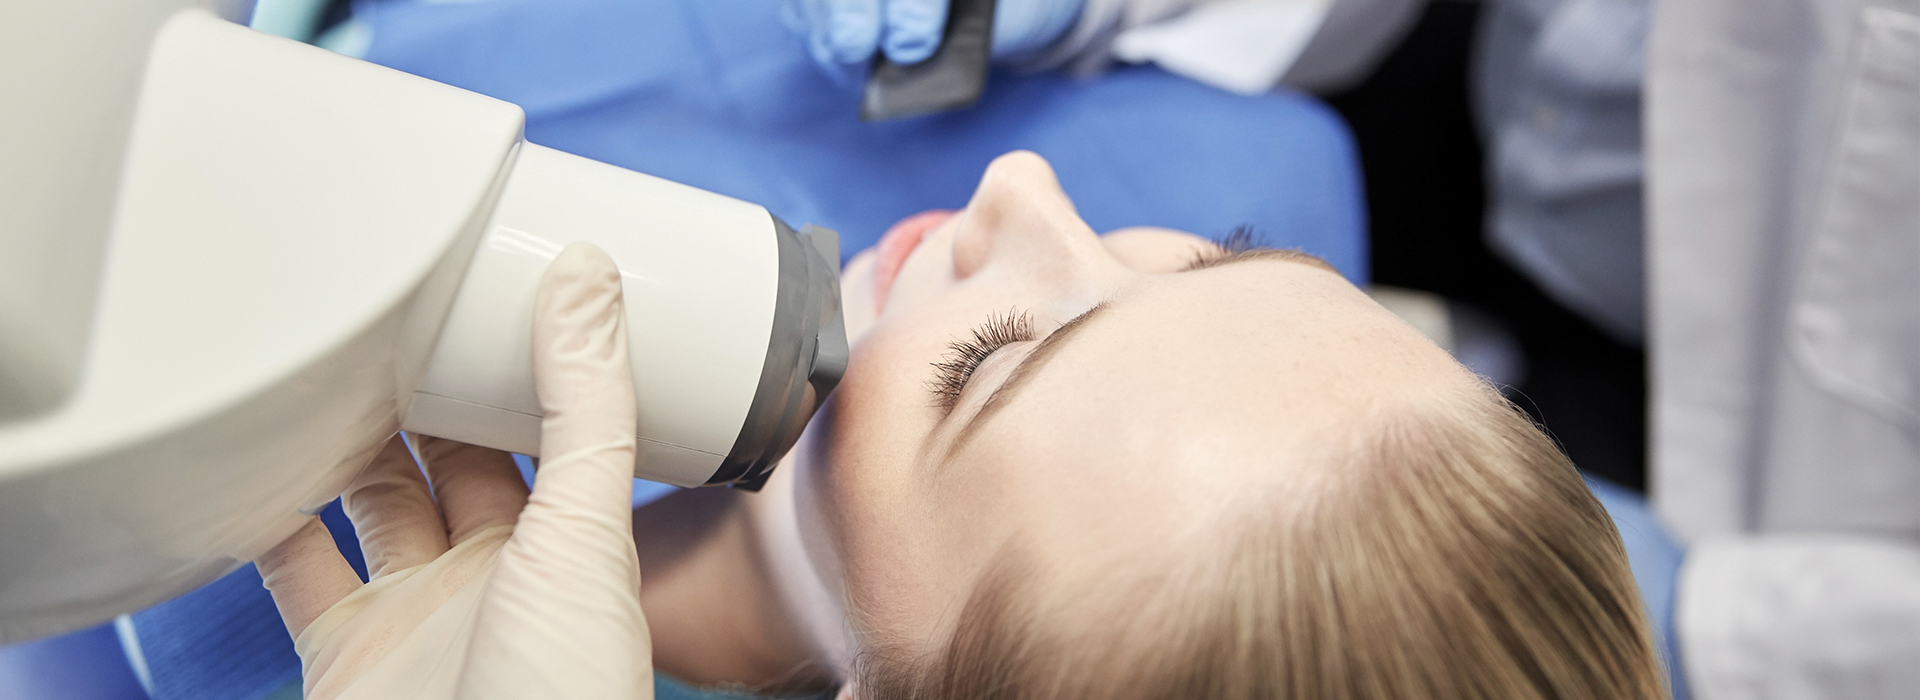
{"type": "Point", "coordinates": [1087, 47]}
{"type": "Point", "coordinates": [1800, 617]}
{"type": "Point", "coordinates": [1246, 46]}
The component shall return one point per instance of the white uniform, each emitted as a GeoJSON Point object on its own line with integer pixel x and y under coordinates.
{"type": "Point", "coordinates": [1783, 143]}
{"type": "Point", "coordinates": [1246, 46]}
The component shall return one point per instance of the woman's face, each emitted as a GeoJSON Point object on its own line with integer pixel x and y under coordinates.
{"type": "Point", "coordinates": [1018, 381]}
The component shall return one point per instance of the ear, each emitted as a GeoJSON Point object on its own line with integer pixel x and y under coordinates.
{"type": "Point", "coordinates": [846, 692]}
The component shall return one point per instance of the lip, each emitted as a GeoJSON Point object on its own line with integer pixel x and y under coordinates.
{"type": "Point", "coordinates": [896, 245]}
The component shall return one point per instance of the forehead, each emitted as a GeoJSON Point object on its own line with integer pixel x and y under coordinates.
{"type": "Point", "coordinates": [1225, 341]}
{"type": "Point", "coordinates": [1191, 387]}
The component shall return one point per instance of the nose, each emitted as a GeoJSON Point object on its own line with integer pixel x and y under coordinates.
{"type": "Point", "coordinates": [1020, 216]}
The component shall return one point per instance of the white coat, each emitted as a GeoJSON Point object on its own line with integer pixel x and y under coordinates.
{"type": "Point", "coordinates": [1783, 155]}
{"type": "Point", "coordinates": [1246, 46]}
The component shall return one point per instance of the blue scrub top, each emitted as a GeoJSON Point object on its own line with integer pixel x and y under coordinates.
{"type": "Point", "coordinates": [721, 96]}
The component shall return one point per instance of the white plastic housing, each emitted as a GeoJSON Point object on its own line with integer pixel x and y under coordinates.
{"type": "Point", "coordinates": [69, 75]}
{"type": "Point", "coordinates": [699, 272]}
{"type": "Point", "coordinates": [291, 230]}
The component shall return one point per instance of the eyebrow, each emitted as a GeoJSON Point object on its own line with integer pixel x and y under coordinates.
{"type": "Point", "coordinates": [1050, 346]}
{"type": "Point", "coordinates": [1282, 254]}
{"type": "Point", "coordinates": [1022, 373]}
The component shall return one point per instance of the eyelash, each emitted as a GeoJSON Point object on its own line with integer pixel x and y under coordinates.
{"type": "Point", "coordinates": [1241, 239]}
{"type": "Point", "coordinates": [964, 356]}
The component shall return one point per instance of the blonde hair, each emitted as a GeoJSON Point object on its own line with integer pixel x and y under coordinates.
{"type": "Point", "coordinates": [1457, 555]}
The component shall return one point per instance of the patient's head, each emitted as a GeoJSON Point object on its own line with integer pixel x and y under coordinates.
{"type": "Point", "coordinates": [1062, 465]}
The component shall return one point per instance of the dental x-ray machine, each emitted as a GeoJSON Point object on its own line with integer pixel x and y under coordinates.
{"type": "Point", "coordinates": [231, 265]}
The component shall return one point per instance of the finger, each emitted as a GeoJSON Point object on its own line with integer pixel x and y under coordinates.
{"type": "Point", "coordinates": [913, 29]}
{"type": "Point", "coordinates": [306, 575]}
{"type": "Point", "coordinates": [850, 32]}
{"type": "Point", "coordinates": [568, 580]}
{"type": "Point", "coordinates": [585, 384]}
{"type": "Point", "coordinates": [477, 487]}
{"type": "Point", "coordinates": [393, 512]}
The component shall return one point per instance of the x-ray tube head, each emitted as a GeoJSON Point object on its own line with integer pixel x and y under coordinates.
{"type": "Point", "coordinates": [733, 320]}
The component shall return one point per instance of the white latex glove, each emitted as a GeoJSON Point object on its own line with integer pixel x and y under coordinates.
{"type": "Point", "coordinates": [479, 590]}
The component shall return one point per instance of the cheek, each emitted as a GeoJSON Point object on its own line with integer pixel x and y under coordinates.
{"type": "Point", "coordinates": [867, 491]}
{"type": "Point", "coordinates": [879, 411]}
{"type": "Point", "coordinates": [859, 303]}
{"type": "Point", "coordinates": [872, 400]}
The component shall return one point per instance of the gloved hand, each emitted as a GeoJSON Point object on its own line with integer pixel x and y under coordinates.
{"type": "Point", "coordinates": [841, 33]}
{"type": "Point", "coordinates": [479, 589]}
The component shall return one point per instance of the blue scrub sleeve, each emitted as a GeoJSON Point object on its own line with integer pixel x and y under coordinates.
{"type": "Point", "coordinates": [1655, 557]}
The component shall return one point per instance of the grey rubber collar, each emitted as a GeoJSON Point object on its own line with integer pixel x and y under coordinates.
{"type": "Point", "coordinates": [806, 355]}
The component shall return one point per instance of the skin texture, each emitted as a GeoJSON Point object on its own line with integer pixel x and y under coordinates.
{"type": "Point", "coordinates": [1187, 399]}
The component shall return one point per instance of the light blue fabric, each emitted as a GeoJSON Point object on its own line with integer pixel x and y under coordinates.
{"type": "Point", "coordinates": [1655, 557]}
{"type": "Point", "coordinates": [720, 96]}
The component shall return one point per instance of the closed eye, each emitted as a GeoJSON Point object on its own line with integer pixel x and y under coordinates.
{"type": "Point", "coordinates": [964, 356]}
